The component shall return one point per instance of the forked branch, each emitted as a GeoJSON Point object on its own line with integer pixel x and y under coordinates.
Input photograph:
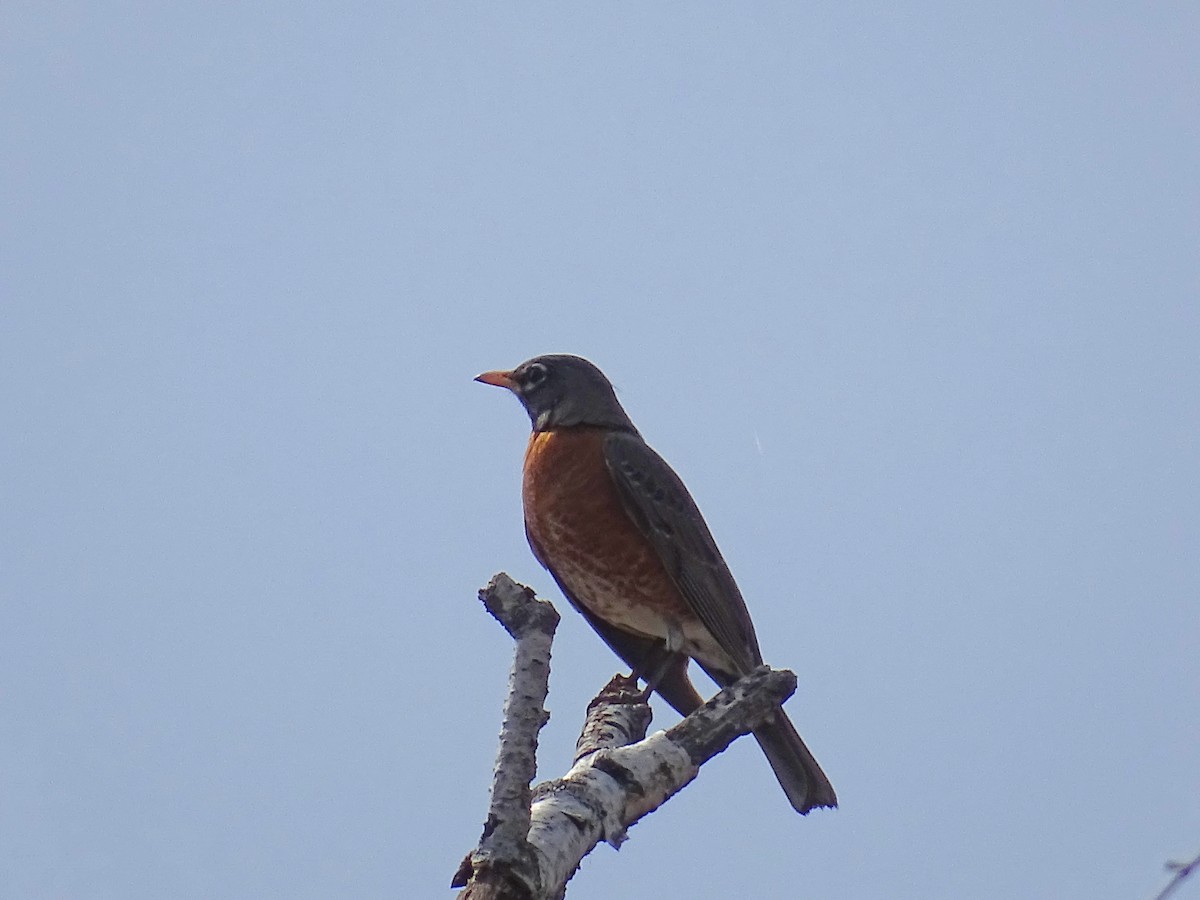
{"type": "Point", "coordinates": [534, 839]}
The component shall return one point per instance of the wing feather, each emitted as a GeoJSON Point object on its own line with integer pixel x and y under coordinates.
{"type": "Point", "coordinates": [661, 507]}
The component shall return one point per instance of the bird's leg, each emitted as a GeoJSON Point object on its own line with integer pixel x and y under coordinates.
{"type": "Point", "coordinates": [659, 660]}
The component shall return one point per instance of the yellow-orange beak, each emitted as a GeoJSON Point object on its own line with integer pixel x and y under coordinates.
{"type": "Point", "coordinates": [498, 378]}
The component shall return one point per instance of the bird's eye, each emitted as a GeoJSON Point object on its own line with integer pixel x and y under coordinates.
{"type": "Point", "coordinates": [535, 375]}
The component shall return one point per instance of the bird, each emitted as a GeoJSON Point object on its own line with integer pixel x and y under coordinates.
{"type": "Point", "coordinates": [622, 537]}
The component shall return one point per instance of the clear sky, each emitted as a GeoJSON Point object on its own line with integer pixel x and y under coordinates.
{"type": "Point", "coordinates": [908, 293]}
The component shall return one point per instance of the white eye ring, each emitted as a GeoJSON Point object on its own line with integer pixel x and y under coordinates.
{"type": "Point", "coordinates": [535, 375]}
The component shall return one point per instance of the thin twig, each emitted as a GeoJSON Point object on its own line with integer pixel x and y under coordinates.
{"type": "Point", "coordinates": [1182, 871]}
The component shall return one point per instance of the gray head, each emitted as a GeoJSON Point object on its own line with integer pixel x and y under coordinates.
{"type": "Point", "coordinates": [559, 391]}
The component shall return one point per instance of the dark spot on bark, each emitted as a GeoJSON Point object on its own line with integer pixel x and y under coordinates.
{"type": "Point", "coordinates": [619, 774]}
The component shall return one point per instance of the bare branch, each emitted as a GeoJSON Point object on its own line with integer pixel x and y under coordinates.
{"type": "Point", "coordinates": [531, 853]}
{"type": "Point", "coordinates": [609, 790]}
{"type": "Point", "coordinates": [503, 856]}
{"type": "Point", "coordinates": [618, 715]}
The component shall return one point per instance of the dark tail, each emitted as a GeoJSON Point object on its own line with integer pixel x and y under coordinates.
{"type": "Point", "coordinates": [796, 768]}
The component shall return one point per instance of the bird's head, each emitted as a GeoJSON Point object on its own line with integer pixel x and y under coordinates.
{"type": "Point", "coordinates": [559, 391]}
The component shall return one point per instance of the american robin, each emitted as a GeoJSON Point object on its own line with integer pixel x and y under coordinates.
{"type": "Point", "coordinates": [625, 542]}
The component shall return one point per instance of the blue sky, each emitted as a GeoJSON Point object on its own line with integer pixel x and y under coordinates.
{"type": "Point", "coordinates": [907, 294]}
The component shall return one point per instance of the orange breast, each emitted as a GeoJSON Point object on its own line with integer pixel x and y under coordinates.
{"type": "Point", "coordinates": [580, 532]}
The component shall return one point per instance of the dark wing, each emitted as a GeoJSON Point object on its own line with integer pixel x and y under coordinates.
{"type": "Point", "coordinates": [661, 507]}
